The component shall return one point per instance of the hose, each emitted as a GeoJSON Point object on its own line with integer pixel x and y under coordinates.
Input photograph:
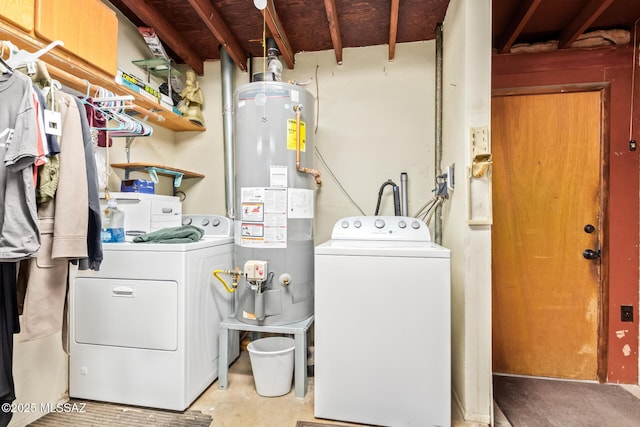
{"type": "Point", "coordinates": [396, 197]}
{"type": "Point", "coordinates": [235, 275]}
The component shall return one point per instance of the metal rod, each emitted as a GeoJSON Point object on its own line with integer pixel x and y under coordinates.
{"type": "Point", "coordinates": [226, 65]}
{"type": "Point", "coordinates": [404, 206]}
{"type": "Point", "coordinates": [438, 129]}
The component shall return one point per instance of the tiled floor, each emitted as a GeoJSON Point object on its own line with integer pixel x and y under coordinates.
{"type": "Point", "coordinates": [241, 406]}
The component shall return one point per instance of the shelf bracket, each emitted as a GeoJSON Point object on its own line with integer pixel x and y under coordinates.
{"type": "Point", "coordinates": [127, 149]}
{"type": "Point", "coordinates": [177, 176]}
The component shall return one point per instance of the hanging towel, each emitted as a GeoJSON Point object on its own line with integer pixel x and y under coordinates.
{"type": "Point", "coordinates": [183, 234]}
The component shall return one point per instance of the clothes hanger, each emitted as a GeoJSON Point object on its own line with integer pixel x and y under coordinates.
{"type": "Point", "coordinates": [4, 67]}
{"type": "Point", "coordinates": [113, 108]}
{"type": "Point", "coordinates": [21, 58]}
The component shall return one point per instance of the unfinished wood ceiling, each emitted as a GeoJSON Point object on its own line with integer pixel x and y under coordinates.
{"type": "Point", "coordinates": [193, 30]}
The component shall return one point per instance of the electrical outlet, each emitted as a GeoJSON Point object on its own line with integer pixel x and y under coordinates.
{"type": "Point", "coordinates": [451, 176]}
{"type": "Point", "coordinates": [626, 313]}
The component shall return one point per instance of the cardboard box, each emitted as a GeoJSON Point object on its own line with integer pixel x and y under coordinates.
{"type": "Point", "coordinates": [137, 186]}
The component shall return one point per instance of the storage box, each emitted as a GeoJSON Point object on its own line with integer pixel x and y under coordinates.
{"type": "Point", "coordinates": [137, 186]}
{"type": "Point", "coordinates": [145, 213]}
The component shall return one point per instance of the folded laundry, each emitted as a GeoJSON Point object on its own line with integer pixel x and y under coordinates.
{"type": "Point", "coordinates": [182, 234]}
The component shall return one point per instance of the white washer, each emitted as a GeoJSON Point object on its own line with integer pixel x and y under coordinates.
{"type": "Point", "coordinates": [382, 324]}
{"type": "Point", "coordinates": [144, 329]}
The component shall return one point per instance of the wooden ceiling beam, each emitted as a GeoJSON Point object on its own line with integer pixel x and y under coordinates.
{"type": "Point", "coordinates": [393, 28]}
{"type": "Point", "coordinates": [516, 24]}
{"type": "Point", "coordinates": [334, 28]}
{"type": "Point", "coordinates": [580, 23]}
{"type": "Point", "coordinates": [152, 18]}
{"type": "Point", "coordinates": [220, 30]}
{"type": "Point", "coordinates": [278, 34]}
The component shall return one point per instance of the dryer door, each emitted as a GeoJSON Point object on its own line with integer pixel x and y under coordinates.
{"type": "Point", "coordinates": [126, 313]}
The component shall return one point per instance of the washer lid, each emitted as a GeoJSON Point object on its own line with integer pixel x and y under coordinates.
{"type": "Point", "coordinates": [386, 228]}
{"type": "Point", "coordinates": [379, 248]}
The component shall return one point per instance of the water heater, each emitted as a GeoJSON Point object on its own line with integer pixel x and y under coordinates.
{"type": "Point", "coordinates": [274, 150]}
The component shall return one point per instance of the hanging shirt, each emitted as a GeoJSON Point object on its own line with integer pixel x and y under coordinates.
{"type": "Point", "coordinates": [19, 236]}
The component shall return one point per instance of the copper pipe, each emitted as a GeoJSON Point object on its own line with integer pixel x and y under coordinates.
{"type": "Point", "coordinates": [315, 173]}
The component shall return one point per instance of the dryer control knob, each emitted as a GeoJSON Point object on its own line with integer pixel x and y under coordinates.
{"type": "Point", "coordinates": [345, 224]}
{"type": "Point", "coordinates": [379, 223]}
{"type": "Point", "coordinates": [357, 223]}
{"type": "Point", "coordinates": [215, 222]}
{"type": "Point", "coordinates": [186, 220]}
{"type": "Point", "coordinates": [402, 224]}
{"type": "Point", "coordinates": [415, 225]}
{"type": "Point", "coordinates": [205, 222]}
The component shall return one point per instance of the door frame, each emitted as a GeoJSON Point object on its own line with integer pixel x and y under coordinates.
{"type": "Point", "coordinates": [603, 286]}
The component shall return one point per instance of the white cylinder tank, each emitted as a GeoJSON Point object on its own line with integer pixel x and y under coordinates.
{"type": "Point", "coordinates": [274, 202]}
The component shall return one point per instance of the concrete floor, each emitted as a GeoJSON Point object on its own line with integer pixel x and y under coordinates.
{"type": "Point", "coordinates": [241, 406]}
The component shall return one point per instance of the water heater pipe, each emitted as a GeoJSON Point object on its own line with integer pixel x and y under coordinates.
{"type": "Point", "coordinates": [315, 173]}
{"type": "Point", "coordinates": [438, 128]}
{"type": "Point", "coordinates": [226, 65]}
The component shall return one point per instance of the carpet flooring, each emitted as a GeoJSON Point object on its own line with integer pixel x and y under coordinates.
{"type": "Point", "coordinates": [78, 413]}
{"type": "Point", "coordinates": [534, 402]}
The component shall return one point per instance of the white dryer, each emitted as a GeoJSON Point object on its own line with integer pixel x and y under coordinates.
{"type": "Point", "coordinates": [382, 324]}
{"type": "Point", "coordinates": [144, 329]}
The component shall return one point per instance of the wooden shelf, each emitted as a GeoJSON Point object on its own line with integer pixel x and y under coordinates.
{"type": "Point", "coordinates": [75, 73]}
{"type": "Point", "coordinates": [154, 170]}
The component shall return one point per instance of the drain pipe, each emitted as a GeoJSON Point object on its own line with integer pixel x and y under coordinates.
{"type": "Point", "coordinates": [226, 65]}
{"type": "Point", "coordinates": [438, 127]}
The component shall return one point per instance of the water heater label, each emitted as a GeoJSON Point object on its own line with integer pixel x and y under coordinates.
{"type": "Point", "coordinates": [278, 176]}
{"type": "Point", "coordinates": [292, 135]}
{"type": "Point", "coordinates": [264, 217]}
{"type": "Point", "coordinates": [300, 203]}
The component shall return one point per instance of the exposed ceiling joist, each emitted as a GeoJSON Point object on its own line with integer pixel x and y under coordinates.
{"type": "Point", "coordinates": [581, 22]}
{"type": "Point", "coordinates": [393, 28]}
{"type": "Point", "coordinates": [334, 28]}
{"type": "Point", "coordinates": [277, 31]}
{"type": "Point", "coordinates": [214, 22]}
{"type": "Point", "coordinates": [166, 32]}
{"type": "Point", "coordinates": [517, 23]}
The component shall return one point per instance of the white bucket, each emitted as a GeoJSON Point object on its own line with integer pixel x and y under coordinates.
{"type": "Point", "coordinates": [272, 365]}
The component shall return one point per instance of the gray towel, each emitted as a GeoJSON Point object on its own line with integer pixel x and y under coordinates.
{"type": "Point", "coordinates": [182, 234]}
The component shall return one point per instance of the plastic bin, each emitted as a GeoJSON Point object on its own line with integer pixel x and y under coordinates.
{"type": "Point", "coordinates": [272, 365]}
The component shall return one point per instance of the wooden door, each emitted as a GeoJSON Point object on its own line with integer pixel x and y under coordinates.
{"type": "Point", "coordinates": [546, 189]}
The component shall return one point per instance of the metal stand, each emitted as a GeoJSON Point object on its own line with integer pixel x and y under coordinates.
{"type": "Point", "coordinates": [298, 330]}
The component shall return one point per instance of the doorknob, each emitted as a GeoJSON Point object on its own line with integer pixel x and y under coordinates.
{"type": "Point", "coordinates": [589, 228]}
{"type": "Point", "coordinates": [591, 254]}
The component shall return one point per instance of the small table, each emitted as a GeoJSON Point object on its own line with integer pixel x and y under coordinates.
{"type": "Point", "coordinates": [298, 330]}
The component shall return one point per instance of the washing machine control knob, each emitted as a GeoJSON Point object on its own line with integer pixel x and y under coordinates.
{"type": "Point", "coordinates": [205, 222]}
{"type": "Point", "coordinates": [402, 224]}
{"type": "Point", "coordinates": [415, 225]}
{"type": "Point", "coordinates": [215, 222]}
{"type": "Point", "coordinates": [379, 223]}
{"type": "Point", "coordinates": [345, 224]}
{"type": "Point", "coordinates": [186, 220]}
{"type": "Point", "coordinates": [357, 223]}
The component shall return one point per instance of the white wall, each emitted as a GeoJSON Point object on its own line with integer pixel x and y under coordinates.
{"type": "Point", "coordinates": [467, 104]}
{"type": "Point", "coordinates": [375, 121]}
